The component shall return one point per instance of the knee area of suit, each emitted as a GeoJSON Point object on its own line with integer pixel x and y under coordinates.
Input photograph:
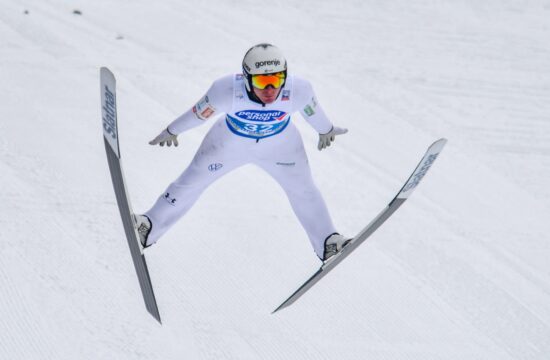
{"type": "Point", "coordinates": [304, 193]}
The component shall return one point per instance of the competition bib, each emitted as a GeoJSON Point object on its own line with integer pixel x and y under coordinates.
{"type": "Point", "coordinates": [252, 120]}
{"type": "Point", "coordinates": [257, 124]}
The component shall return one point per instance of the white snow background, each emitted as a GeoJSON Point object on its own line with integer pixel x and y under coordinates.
{"type": "Point", "coordinates": [461, 271]}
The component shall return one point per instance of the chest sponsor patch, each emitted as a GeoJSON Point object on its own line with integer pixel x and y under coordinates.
{"type": "Point", "coordinates": [261, 115]}
{"type": "Point", "coordinates": [257, 123]}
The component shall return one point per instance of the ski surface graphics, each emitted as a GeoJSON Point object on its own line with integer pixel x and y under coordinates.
{"type": "Point", "coordinates": [403, 194]}
{"type": "Point", "coordinates": [110, 137]}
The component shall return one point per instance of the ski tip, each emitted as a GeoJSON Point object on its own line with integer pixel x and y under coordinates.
{"type": "Point", "coordinates": [439, 143]}
{"type": "Point", "coordinates": [105, 70]}
{"type": "Point", "coordinates": [437, 146]}
{"type": "Point", "coordinates": [105, 73]}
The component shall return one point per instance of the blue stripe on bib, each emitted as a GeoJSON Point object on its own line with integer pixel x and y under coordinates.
{"type": "Point", "coordinates": [257, 124]}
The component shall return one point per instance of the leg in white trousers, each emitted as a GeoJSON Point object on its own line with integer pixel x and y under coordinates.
{"type": "Point", "coordinates": [282, 156]}
{"type": "Point", "coordinates": [305, 199]}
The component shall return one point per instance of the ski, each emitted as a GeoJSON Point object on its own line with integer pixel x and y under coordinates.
{"type": "Point", "coordinates": [422, 168]}
{"type": "Point", "coordinates": [110, 137]}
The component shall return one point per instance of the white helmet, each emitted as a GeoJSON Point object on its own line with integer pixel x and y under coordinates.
{"type": "Point", "coordinates": [263, 59]}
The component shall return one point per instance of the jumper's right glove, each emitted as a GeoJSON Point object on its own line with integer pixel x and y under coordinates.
{"type": "Point", "coordinates": [165, 137]}
{"type": "Point", "coordinates": [326, 139]}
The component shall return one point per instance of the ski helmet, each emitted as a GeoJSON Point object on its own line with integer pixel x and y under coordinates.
{"type": "Point", "coordinates": [262, 59]}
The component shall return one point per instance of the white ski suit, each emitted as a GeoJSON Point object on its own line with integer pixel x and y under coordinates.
{"type": "Point", "coordinates": [250, 133]}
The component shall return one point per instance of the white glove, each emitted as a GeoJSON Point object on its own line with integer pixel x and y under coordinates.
{"type": "Point", "coordinates": [165, 137]}
{"type": "Point", "coordinates": [326, 139]}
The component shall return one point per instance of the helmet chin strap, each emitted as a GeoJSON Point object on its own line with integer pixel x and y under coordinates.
{"type": "Point", "coordinates": [252, 96]}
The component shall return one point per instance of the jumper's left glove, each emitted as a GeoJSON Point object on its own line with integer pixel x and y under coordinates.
{"type": "Point", "coordinates": [165, 137]}
{"type": "Point", "coordinates": [326, 139]}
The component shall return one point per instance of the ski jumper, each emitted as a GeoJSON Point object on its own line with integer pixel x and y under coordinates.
{"type": "Point", "coordinates": [250, 133]}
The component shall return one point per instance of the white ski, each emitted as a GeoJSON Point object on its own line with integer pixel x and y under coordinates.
{"type": "Point", "coordinates": [407, 189]}
{"type": "Point", "coordinates": [110, 136]}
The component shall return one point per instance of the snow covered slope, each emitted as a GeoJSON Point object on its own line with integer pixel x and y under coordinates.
{"type": "Point", "coordinates": [460, 272]}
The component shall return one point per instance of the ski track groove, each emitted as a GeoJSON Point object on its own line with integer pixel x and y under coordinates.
{"type": "Point", "coordinates": [438, 305]}
{"type": "Point", "coordinates": [30, 319]}
{"type": "Point", "coordinates": [237, 291]}
{"type": "Point", "coordinates": [71, 23]}
{"type": "Point", "coordinates": [456, 296]}
{"type": "Point", "coordinates": [482, 137]}
{"type": "Point", "coordinates": [463, 325]}
{"type": "Point", "coordinates": [55, 48]}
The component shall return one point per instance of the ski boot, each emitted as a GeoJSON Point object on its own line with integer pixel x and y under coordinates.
{"type": "Point", "coordinates": [143, 226]}
{"type": "Point", "coordinates": [334, 244]}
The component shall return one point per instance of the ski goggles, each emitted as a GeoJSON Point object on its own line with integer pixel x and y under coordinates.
{"type": "Point", "coordinates": [262, 81]}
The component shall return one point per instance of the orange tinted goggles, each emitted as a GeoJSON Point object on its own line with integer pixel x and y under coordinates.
{"type": "Point", "coordinates": [262, 81]}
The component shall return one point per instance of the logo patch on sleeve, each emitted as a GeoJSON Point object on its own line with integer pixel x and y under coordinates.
{"type": "Point", "coordinates": [203, 109]}
{"type": "Point", "coordinates": [309, 110]}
